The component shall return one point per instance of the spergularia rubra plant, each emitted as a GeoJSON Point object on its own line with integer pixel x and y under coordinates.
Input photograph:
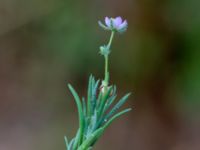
{"type": "Point", "coordinates": [98, 111]}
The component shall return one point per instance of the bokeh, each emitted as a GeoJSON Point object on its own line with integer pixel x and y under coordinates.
{"type": "Point", "coordinates": [45, 44]}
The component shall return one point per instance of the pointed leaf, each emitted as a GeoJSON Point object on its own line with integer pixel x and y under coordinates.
{"type": "Point", "coordinates": [71, 144]}
{"type": "Point", "coordinates": [76, 140]}
{"type": "Point", "coordinates": [80, 111]}
{"type": "Point", "coordinates": [94, 94]}
{"type": "Point", "coordinates": [86, 144]}
{"type": "Point", "coordinates": [66, 142]}
{"type": "Point", "coordinates": [103, 102]}
{"type": "Point", "coordinates": [115, 116]}
{"type": "Point", "coordinates": [117, 106]}
{"type": "Point", "coordinates": [89, 96]}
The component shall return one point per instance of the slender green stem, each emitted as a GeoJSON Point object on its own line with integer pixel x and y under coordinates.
{"type": "Point", "coordinates": [106, 70]}
{"type": "Point", "coordinates": [106, 80]}
{"type": "Point", "coordinates": [111, 38]}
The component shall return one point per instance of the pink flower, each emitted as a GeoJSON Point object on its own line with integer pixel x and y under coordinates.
{"type": "Point", "coordinates": [114, 24]}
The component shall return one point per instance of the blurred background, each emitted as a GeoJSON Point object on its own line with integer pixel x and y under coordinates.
{"type": "Point", "coordinates": [45, 44]}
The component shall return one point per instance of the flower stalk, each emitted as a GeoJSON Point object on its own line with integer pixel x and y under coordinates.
{"type": "Point", "coordinates": [106, 56]}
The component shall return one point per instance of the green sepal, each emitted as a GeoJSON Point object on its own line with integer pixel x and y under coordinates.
{"type": "Point", "coordinates": [103, 26]}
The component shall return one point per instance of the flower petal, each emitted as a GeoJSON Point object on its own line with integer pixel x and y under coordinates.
{"type": "Point", "coordinates": [117, 22]}
{"type": "Point", "coordinates": [108, 22]}
{"type": "Point", "coordinates": [103, 26]}
{"type": "Point", "coordinates": [123, 25]}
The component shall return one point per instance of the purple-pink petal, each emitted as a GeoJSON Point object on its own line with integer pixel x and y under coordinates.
{"type": "Point", "coordinates": [117, 22]}
{"type": "Point", "coordinates": [123, 25]}
{"type": "Point", "coordinates": [108, 22]}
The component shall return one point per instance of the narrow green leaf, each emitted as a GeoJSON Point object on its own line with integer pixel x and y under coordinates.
{"type": "Point", "coordinates": [92, 125]}
{"type": "Point", "coordinates": [89, 96]}
{"type": "Point", "coordinates": [71, 144]}
{"type": "Point", "coordinates": [87, 143]}
{"type": "Point", "coordinates": [66, 142]}
{"type": "Point", "coordinates": [112, 98]}
{"type": "Point", "coordinates": [105, 109]}
{"type": "Point", "coordinates": [85, 118]}
{"type": "Point", "coordinates": [117, 106]}
{"type": "Point", "coordinates": [114, 117]}
{"type": "Point", "coordinates": [84, 107]}
{"type": "Point", "coordinates": [76, 140]}
{"type": "Point", "coordinates": [80, 111]}
{"type": "Point", "coordinates": [94, 95]}
{"type": "Point", "coordinates": [99, 99]}
{"type": "Point", "coordinates": [103, 102]}
{"type": "Point", "coordinates": [110, 121]}
{"type": "Point", "coordinates": [109, 102]}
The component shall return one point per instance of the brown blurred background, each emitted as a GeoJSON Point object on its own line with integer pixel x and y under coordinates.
{"type": "Point", "coordinates": [44, 44]}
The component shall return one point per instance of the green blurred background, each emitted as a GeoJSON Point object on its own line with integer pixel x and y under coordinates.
{"type": "Point", "coordinates": [44, 44]}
